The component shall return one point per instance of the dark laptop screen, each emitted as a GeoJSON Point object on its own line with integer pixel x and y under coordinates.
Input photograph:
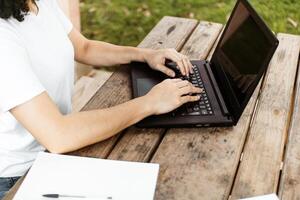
{"type": "Point", "coordinates": [242, 52]}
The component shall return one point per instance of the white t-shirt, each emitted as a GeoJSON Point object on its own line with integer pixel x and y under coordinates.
{"type": "Point", "coordinates": [36, 55]}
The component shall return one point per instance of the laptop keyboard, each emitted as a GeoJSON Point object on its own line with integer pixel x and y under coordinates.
{"type": "Point", "coordinates": [201, 107]}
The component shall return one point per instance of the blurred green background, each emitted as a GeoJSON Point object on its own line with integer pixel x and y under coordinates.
{"type": "Point", "coordinates": [127, 22]}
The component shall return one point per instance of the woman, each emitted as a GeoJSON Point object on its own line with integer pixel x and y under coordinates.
{"type": "Point", "coordinates": [38, 46]}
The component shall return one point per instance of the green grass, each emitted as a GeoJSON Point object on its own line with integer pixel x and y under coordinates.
{"type": "Point", "coordinates": [127, 22]}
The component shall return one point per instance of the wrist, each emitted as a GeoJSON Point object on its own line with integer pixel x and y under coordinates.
{"type": "Point", "coordinates": [147, 105]}
{"type": "Point", "coordinates": [145, 54]}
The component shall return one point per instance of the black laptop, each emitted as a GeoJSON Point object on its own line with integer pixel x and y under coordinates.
{"type": "Point", "coordinates": [239, 61]}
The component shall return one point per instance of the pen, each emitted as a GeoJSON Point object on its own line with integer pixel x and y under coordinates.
{"type": "Point", "coordinates": [68, 196]}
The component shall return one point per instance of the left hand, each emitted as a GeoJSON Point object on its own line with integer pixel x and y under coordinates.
{"type": "Point", "coordinates": [157, 59]}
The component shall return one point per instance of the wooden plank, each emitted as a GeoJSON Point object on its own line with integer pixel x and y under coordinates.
{"type": "Point", "coordinates": [170, 32]}
{"type": "Point", "coordinates": [290, 179]}
{"type": "Point", "coordinates": [140, 144]}
{"type": "Point", "coordinates": [260, 168]}
{"type": "Point", "coordinates": [202, 40]}
{"type": "Point", "coordinates": [85, 88]}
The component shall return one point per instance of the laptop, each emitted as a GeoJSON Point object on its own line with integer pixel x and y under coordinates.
{"type": "Point", "coordinates": [228, 80]}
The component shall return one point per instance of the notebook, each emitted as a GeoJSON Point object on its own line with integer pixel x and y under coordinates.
{"type": "Point", "coordinates": [263, 197]}
{"type": "Point", "coordinates": [89, 177]}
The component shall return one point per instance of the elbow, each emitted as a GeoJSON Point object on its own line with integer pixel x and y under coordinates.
{"type": "Point", "coordinates": [56, 149]}
{"type": "Point", "coordinates": [82, 53]}
{"type": "Point", "coordinates": [58, 141]}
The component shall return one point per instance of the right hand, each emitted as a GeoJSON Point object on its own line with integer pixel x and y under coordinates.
{"type": "Point", "coordinates": [171, 94]}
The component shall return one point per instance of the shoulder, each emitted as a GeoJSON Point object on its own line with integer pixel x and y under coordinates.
{"type": "Point", "coordinates": [7, 32]}
{"type": "Point", "coordinates": [10, 42]}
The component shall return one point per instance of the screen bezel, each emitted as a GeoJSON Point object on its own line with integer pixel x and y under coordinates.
{"type": "Point", "coordinates": [236, 109]}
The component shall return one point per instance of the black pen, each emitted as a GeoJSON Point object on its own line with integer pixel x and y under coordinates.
{"type": "Point", "coordinates": [56, 196]}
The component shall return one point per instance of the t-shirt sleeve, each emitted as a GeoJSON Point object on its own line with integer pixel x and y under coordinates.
{"type": "Point", "coordinates": [66, 23]}
{"type": "Point", "coordinates": [18, 82]}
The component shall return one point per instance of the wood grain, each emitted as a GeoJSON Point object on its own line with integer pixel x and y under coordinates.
{"type": "Point", "coordinates": [140, 144]}
{"type": "Point", "coordinates": [290, 180]}
{"type": "Point", "coordinates": [85, 88]}
{"type": "Point", "coordinates": [201, 162]}
{"type": "Point", "coordinates": [202, 40]}
{"type": "Point", "coordinates": [260, 168]}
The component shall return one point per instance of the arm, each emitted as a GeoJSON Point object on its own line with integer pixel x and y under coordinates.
{"type": "Point", "coordinates": [64, 133]}
{"type": "Point", "coordinates": [97, 53]}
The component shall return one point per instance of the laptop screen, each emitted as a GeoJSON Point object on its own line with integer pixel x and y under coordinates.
{"type": "Point", "coordinates": [242, 52]}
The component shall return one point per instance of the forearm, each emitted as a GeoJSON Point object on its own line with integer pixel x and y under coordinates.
{"type": "Point", "coordinates": [99, 53]}
{"type": "Point", "coordinates": [84, 128]}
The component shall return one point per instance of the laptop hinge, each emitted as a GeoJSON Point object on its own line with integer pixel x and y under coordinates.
{"type": "Point", "coordinates": [217, 90]}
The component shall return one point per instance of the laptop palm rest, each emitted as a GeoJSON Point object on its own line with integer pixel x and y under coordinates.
{"type": "Point", "coordinates": [144, 85]}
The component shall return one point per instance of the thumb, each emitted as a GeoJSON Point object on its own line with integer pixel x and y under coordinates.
{"type": "Point", "coordinates": [166, 70]}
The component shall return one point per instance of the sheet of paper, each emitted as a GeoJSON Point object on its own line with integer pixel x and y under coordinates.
{"type": "Point", "coordinates": [94, 178]}
{"type": "Point", "coordinates": [264, 197]}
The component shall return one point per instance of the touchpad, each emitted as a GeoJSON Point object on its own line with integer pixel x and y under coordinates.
{"type": "Point", "coordinates": [144, 85]}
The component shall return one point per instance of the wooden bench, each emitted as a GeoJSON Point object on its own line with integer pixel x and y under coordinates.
{"type": "Point", "coordinates": [260, 155]}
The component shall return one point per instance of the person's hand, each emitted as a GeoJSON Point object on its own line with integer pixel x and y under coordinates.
{"type": "Point", "coordinates": [157, 59]}
{"type": "Point", "coordinates": [171, 94]}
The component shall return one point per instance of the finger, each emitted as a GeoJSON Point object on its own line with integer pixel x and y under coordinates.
{"type": "Point", "coordinates": [186, 66]}
{"type": "Point", "coordinates": [186, 99]}
{"type": "Point", "coordinates": [175, 80]}
{"type": "Point", "coordinates": [172, 55]}
{"type": "Point", "coordinates": [181, 67]}
{"type": "Point", "coordinates": [182, 83]}
{"type": "Point", "coordinates": [189, 90]}
{"type": "Point", "coordinates": [175, 57]}
{"type": "Point", "coordinates": [190, 65]}
{"type": "Point", "coordinates": [166, 70]}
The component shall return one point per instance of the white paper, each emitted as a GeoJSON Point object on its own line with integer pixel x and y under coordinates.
{"type": "Point", "coordinates": [94, 178]}
{"type": "Point", "coordinates": [264, 197]}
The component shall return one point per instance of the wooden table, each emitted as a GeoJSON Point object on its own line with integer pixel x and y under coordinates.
{"type": "Point", "coordinates": [260, 155]}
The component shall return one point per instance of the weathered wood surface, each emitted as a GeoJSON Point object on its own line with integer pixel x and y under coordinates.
{"type": "Point", "coordinates": [260, 168]}
{"type": "Point", "coordinates": [290, 180]}
{"type": "Point", "coordinates": [202, 163]}
{"type": "Point", "coordinates": [85, 88]}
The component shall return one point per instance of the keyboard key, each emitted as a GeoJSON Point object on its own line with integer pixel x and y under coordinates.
{"type": "Point", "coordinates": [202, 107]}
{"type": "Point", "coordinates": [204, 112]}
